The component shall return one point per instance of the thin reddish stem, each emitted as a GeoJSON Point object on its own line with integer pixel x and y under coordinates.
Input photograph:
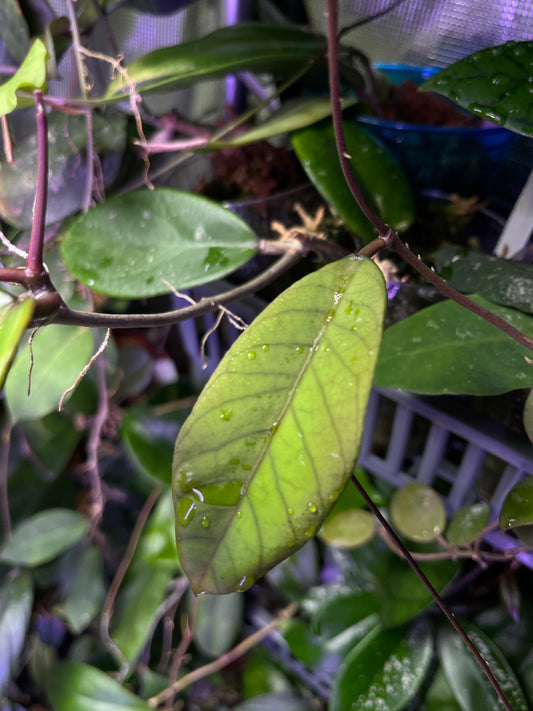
{"type": "Point", "coordinates": [34, 264]}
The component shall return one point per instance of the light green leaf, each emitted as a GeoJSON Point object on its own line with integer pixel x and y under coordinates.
{"type": "Point", "coordinates": [244, 47]}
{"type": "Point", "coordinates": [218, 623]}
{"type": "Point", "coordinates": [31, 75]}
{"type": "Point", "coordinates": [80, 687]}
{"type": "Point", "coordinates": [272, 439]}
{"type": "Point", "coordinates": [379, 176]}
{"type": "Point", "coordinates": [385, 670]}
{"type": "Point", "coordinates": [13, 322]}
{"type": "Point", "coordinates": [160, 235]}
{"type": "Point", "coordinates": [417, 512]}
{"type": "Point", "coordinates": [517, 509]}
{"type": "Point", "coordinates": [13, 29]}
{"type": "Point", "coordinates": [503, 281]}
{"type": "Point", "coordinates": [44, 536]}
{"type": "Point", "coordinates": [59, 354]}
{"type": "Point", "coordinates": [472, 689]}
{"type": "Point", "coordinates": [528, 416]}
{"type": "Point", "coordinates": [348, 529]}
{"type": "Point", "coordinates": [85, 592]}
{"type": "Point", "coordinates": [467, 523]}
{"type": "Point", "coordinates": [293, 115]}
{"type": "Point", "coordinates": [493, 83]}
{"type": "Point", "coordinates": [16, 599]}
{"type": "Point", "coordinates": [447, 349]}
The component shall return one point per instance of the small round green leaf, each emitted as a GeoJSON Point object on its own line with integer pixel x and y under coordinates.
{"type": "Point", "coordinates": [528, 416]}
{"type": "Point", "coordinates": [348, 529]}
{"type": "Point", "coordinates": [44, 536]}
{"type": "Point", "coordinates": [13, 322]}
{"type": "Point", "coordinates": [131, 245]}
{"type": "Point", "coordinates": [417, 512]}
{"type": "Point", "coordinates": [467, 523]}
{"type": "Point", "coordinates": [517, 509]}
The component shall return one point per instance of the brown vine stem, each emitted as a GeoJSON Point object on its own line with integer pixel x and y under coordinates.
{"type": "Point", "coordinates": [5, 440]}
{"type": "Point", "coordinates": [226, 659]}
{"type": "Point", "coordinates": [34, 264]}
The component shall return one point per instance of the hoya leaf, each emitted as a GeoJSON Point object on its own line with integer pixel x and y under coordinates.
{"type": "Point", "coordinates": [218, 623]}
{"type": "Point", "coordinates": [467, 523]}
{"type": "Point", "coordinates": [79, 687]}
{"type": "Point", "coordinates": [44, 536]}
{"type": "Point", "coordinates": [380, 177]}
{"type": "Point", "coordinates": [417, 512]}
{"type": "Point", "coordinates": [348, 529]}
{"type": "Point", "coordinates": [59, 355]}
{"type": "Point", "coordinates": [503, 281]}
{"type": "Point", "coordinates": [243, 47]}
{"type": "Point", "coordinates": [493, 83]}
{"type": "Point", "coordinates": [447, 349]}
{"type": "Point", "coordinates": [472, 689]}
{"type": "Point", "coordinates": [31, 75]}
{"type": "Point", "coordinates": [13, 322]}
{"type": "Point", "coordinates": [272, 439]}
{"type": "Point", "coordinates": [292, 116]}
{"type": "Point", "coordinates": [13, 29]}
{"type": "Point", "coordinates": [131, 245]}
{"type": "Point", "coordinates": [528, 416]}
{"type": "Point", "coordinates": [517, 509]}
{"type": "Point", "coordinates": [16, 599]}
{"type": "Point", "coordinates": [385, 670]}
{"type": "Point", "coordinates": [85, 588]}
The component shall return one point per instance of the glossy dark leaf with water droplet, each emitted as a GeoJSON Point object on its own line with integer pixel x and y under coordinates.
{"type": "Point", "coordinates": [494, 83]}
{"type": "Point", "coordinates": [517, 509]}
{"type": "Point", "coordinates": [273, 438]}
{"type": "Point", "coordinates": [467, 523]}
{"type": "Point", "coordinates": [131, 245]}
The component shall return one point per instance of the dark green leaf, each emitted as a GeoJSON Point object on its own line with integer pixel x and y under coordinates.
{"type": "Point", "coordinates": [440, 696]}
{"type": "Point", "coordinates": [296, 574]}
{"type": "Point", "coordinates": [348, 529]}
{"type": "Point", "coordinates": [80, 687]}
{"type": "Point", "coordinates": [528, 416]}
{"type": "Point", "coordinates": [13, 29]}
{"type": "Point", "coordinates": [502, 281]}
{"type": "Point", "coordinates": [16, 599]}
{"type": "Point", "coordinates": [493, 83]}
{"type": "Point", "coordinates": [244, 47]}
{"type": "Point", "coordinates": [467, 523]}
{"type": "Point", "coordinates": [44, 536]}
{"type": "Point", "coordinates": [59, 354]}
{"type": "Point", "coordinates": [517, 509]}
{"type": "Point", "coordinates": [13, 322]}
{"type": "Point", "coordinates": [150, 440]}
{"type": "Point", "coordinates": [270, 443]}
{"type": "Point", "coordinates": [52, 439]}
{"type": "Point", "coordinates": [161, 235]}
{"type": "Point", "coordinates": [448, 349]}
{"type": "Point", "coordinates": [472, 688]}
{"type": "Point", "coordinates": [293, 115]}
{"type": "Point", "coordinates": [377, 172]}
{"type": "Point", "coordinates": [417, 512]}
{"type": "Point", "coordinates": [31, 75]}
{"type": "Point", "coordinates": [85, 592]}
{"type": "Point", "coordinates": [218, 623]}
{"type": "Point", "coordinates": [342, 610]}
{"type": "Point", "coordinates": [385, 670]}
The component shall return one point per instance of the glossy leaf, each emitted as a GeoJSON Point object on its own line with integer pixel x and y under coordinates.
{"type": "Point", "coordinates": [160, 235]}
{"type": "Point", "coordinates": [59, 354]}
{"type": "Point", "coordinates": [16, 599]}
{"type": "Point", "coordinates": [13, 323]}
{"type": "Point", "coordinates": [13, 29]}
{"type": "Point", "coordinates": [528, 416]}
{"type": "Point", "coordinates": [218, 623]}
{"type": "Point", "coordinates": [52, 439]}
{"type": "Point", "coordinates": [80, 687]}
{"type": "Point", "coordinates": [447, 349]}
{"type": "Point", "coordinates": [503, 281]}
{"type": "Point", "coordinates": [377, 172]}
{"type": "Point", "coordinates": [31, 75]}
{"type": "Point", "coordinates": [467, 523]}
{"type": "Point", "coordinates": [440, 696]}
{"type": "Point", "coordinates": [385, 670]}
{"type": "Point", "coordinates": [272, 439]}
{"type": "Point", "coordinates": [292, 116]}
{"type": "Point", "coordinates": [85, 588]}
{"type": "Point", "coordinates": [348, 529]}
{"type": "Point", "coordinates": [417, 512]}
{"type": "Point", "coordinates": [472, 689]}
{"type": "Point", "coordinates": [42, 537]}
{"type": "Point", "coordinates": [244, 47]}
{"type": "Point", "coordinates": [517, 509]}
{"type": "Point", "coordinates": [493, 83]}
